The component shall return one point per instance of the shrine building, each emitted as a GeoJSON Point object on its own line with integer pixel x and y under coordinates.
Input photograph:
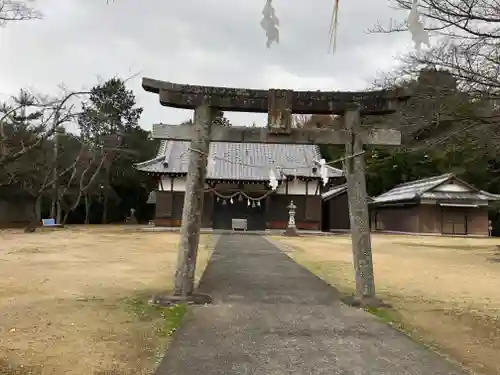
{"type": "Point", "coordinates": [239, 185]}
{"type": "Point", "coordinates": [441, 204]}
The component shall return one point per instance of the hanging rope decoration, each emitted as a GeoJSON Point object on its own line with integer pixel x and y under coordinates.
{"type": "Point", "coordinates": [273, 181]}
{"type": "Point", "coordinates": [418, 33]}
{"type": "Point", "coordinates": [270, 24]}
{"type": "Point", "coordinates": [323, 172]}
{"type": "Point", "coordinates": [333, 28]}
{"type": "Point", "coordinates": [238, 194]}
{"type": "Point", "coordinates": [251, 201]}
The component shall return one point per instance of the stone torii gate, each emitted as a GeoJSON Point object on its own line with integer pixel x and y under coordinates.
{"type": "Point", "coordinates": [207, 102]}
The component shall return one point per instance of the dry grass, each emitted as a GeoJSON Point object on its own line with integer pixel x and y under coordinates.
{"type": "Point", "coordinates": [74, 301]}
{"type": "Point", "coordinates": [444, 291]}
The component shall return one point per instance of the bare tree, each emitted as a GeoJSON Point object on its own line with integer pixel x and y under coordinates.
{"type": "Point", "coordinates": [318, 121]}
{"type": "Point", "coordinates": [441, 115]}
{"type": "Point", "coordinates": [33, 174]}
{"type": "Point", "coordinates": [17, 10]}
{"type": "Point", "coordinates": [65, 145]}
{"type": "Point", "coordinates": [89, 167]}
{"type": "Point", "coordinates": [41, 116]}
{"type": "Point", "coordinates": [28, 161]}
{"type": "Point", "coordinates": [467, 41]}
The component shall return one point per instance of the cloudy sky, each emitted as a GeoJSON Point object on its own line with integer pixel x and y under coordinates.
{"type": "Point", "coordinates": [205, 42]}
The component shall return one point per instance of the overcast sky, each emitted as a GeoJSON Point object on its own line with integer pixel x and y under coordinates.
{"type": "Point", "coordinates": [205, 42]}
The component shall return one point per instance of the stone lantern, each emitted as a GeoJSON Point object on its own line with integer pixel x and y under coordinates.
{"type": "Point", "coordinates": [132, 219]}
{"type": "Point", "coordinates": [291, 229]}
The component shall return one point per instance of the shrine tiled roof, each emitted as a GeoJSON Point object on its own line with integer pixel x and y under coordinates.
{"type": "Point", "coordinates": [241, 161]}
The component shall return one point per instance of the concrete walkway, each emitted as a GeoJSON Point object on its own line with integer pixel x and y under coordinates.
{"type": "Point", "coordinates": [272, 316]}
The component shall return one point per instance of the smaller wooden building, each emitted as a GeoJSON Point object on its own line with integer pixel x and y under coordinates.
{"type": "Point", "coordinates": [335, 210]}
{"type": "Point", "coordinates": [441, 205]}
{"type": "Point", "coordinates": [336, 216]}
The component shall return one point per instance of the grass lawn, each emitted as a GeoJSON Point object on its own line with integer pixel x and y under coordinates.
{"type": "Point", "coordinates": [443, 291]}
{"type": "Point", "coordinates": [75, 300]}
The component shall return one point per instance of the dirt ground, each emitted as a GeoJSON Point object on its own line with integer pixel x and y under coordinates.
{"type": "Point", "coordinates": [74, 300]}
{"type": "Point", "coordinates": [444, 291]}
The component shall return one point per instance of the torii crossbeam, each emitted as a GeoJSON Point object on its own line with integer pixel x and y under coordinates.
{"type": "Point", "coordinates": [230, 99]}
{"type": "Point", "coordinates": [280, 106]}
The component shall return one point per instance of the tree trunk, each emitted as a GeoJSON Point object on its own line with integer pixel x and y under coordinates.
{"type": "Point", "coordinates": [59, 212]}
{"type": "Point", "coordinates": [71, 209]}
{"type": "Point", "coordinates": [104, 218]}
{"type": "Point", "coordinates": [38, 209]}
{"type": "Point", "coordinates": [3, 151]}
{"type": "Point", "coordinates": [88, 203]}
{"type": "Point", "coordinates": [54, 208]}
{"type": "Point", "coordinates": [107, 183]}
{"type": "Point", "coordinates": [34, 221]}
{"type": "Point", "coordinates": [66, 216]}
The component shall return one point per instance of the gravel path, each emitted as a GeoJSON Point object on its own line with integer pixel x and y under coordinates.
{"type": "Point", "coordinates": [272, 316]}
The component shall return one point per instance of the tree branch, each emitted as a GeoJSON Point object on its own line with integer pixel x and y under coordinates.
{"type": "Point", "coordinates": [17, 10]}
{"type": "Point", "coordinates": [57, 120]}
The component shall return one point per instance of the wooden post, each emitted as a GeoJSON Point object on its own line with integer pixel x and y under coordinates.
{"type": "Point", "coordinates": [193, 202]}
{"type": "Point", "coordinates": [358, 208]}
